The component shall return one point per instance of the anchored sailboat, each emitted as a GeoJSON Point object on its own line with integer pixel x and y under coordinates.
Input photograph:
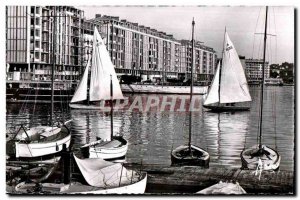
{"type": "Point", "coordinates": [229, 87]}
{"type": "Point", "coordinates": [102, 72]}
{"type": "Point", "coordinates": [261, 156]}
{"type": "Point", "coordinates": [104, 86]}
{"type": "Point", "coordinates": [190, 154]}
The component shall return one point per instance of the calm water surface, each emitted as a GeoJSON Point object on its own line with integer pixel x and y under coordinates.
{"type": "Point", "coordinates": [153, 134]}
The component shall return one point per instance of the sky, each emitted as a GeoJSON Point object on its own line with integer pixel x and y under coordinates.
{"type": "Point", "coordinates": [242, 22]}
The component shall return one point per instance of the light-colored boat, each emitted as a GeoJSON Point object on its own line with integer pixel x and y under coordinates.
{"type": "Point", "coordinates": [222, 188]}
{"type": "Point", "coordinates": [261, 157]}
{"type": "Point", "coordinates": [43, 143]}
{"type": "Point", "coordinates": [104, 86]}
{"type": "Point", "coordinates": [102, 177]}
{"type": "Point", "coordinates": [102, 73]}
{"type": "Point", "coordinates": [108, 150]}
{"type": "Point", "coordinates": [229, 90]}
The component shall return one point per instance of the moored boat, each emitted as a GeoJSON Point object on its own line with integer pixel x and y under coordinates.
{"type": "Point", "coordinates": [101, 177]}
{"type": "Point", "coordinates": [261, 157]}
{"type": "Point", "coordinates": [108, 150]}
{"type": "Point", "coordinates": [223, 188]}
{"type": "Point", "coordinates": [229, 90]}
{"type": "Point", "coordinates": [190, 154]}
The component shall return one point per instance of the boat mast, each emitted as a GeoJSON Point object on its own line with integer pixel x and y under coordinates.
{"type": "Point", "coordinates": [52, 70]}
{"type": "Point", "coordinates": [111, 109]}
{"type": "Point", "coordinates": [263, 79]}
{"type": "Point", "coordinates": [221, 65]}
{"type": "Point", "coordinates": [191, 93]}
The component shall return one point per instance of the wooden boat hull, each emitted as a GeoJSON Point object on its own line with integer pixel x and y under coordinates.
{"type": "Point", "coordinates": [160, 89]}
{"type": "Point", "coordinates": [199, 158]}
{"type": "Point", "coordinates": [226, 108]}
{"type": "Point", "coordinates": [36, 171]}
{"type": "Point", "coordinates": [138, 187]}
{"type": "Point", "coordinates": [36, 149]}
{"type": "Point", "coordinates": [270, 160]}
{"type": "Point", "coordinates": [109, 152]}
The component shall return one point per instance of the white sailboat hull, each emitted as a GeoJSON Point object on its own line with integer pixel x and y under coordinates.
{"type": "Point", "coordinates": [270, 162]}
{"type": "Point", "coordinates": [36, 131]}
{"type": "Point", "coordinates": [159, 89]}
{"type": "Point", "coordinates": [116, 148]}
{"type": "Point", "coordinates": [93, 107]}
{"type": "Point", "coordinates": [135, 188]}
{"type": "Point", "coordinates": [36, 149]}
{"type": "Point", "coordinates": [138, 187]}
{"type": "Point", "coordinates": [108, 153]}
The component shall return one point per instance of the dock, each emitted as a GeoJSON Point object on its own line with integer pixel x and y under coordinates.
{"type": "Point", "coordinates": [191, 179]}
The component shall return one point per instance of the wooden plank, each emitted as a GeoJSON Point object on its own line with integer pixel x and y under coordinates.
{"type": "Point", "coordinates": [270, 182]}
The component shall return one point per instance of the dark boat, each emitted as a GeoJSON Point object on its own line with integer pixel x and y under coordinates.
{"type": "Point", "coordinates": [190, 154]}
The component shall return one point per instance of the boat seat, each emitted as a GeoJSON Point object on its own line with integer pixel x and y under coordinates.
{"type": "Point", "coordinates": [108, 144]}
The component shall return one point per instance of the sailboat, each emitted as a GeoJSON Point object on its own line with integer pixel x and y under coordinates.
{"type": "Point", "coordinates": [102, 72]}
{"type": "Point", "coordinates": [104, 85]}
{"type": "Point", "coordinates": [190, 154]}
{"type": "Point", "coordinates": [41, 140]}
{"type": "Point", "coordinates": [261, 156]}
{"type": "Point", "coordinates": [229, 89]}
{"type": "Point", "coordinates": [100, 177]}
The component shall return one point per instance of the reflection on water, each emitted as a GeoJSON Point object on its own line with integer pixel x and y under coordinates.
{"type": "Point", "coordinates": [152, 135]}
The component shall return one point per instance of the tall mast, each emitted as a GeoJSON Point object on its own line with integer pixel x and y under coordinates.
{"type": "Point", "coordinates": [263, 78]}
{"type": "Point", "coordinates": [52, 70]}
{"type": "Point", "coordinates": [111, 109]}
{"type": "Point", "coordinates": [192, 83]}
{"type": "Point", "coordinates": [221, 65]}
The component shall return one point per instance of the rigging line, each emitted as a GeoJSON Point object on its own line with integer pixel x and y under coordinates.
{"type": "Point", "coordinates": [255, 32]}
{"type": "Point", "coordinates": [270, 42]}
{"type": "Point", "coordinates": [258, 53]}
{"type": "Point", "coordinates": [275, 30]}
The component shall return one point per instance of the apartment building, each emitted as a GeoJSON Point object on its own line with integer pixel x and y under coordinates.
{"type": "Point", "coordinates": [254, 70]}
{"type": "Point", "coordinates": [205, 60]}
{"type": "Point", "coordinates": [149, 53]}
{"type": "Point", "coordinates": [40, 37]}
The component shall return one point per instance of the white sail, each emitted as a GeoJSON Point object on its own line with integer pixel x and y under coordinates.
{"type": "Point", "coordinates": [102, 71]}
{"type": "Point", "coordinates": [213, 94]}
{"type": "Point", "coordinates": [81, 91]}
{"type": "Point", "coordinates": [100, 173]}
{"type": "Point", "coordinates": [233, 83]}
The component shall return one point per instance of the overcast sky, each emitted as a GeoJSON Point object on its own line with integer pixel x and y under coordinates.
{"type": "Point", "coordinates": [241, 23]}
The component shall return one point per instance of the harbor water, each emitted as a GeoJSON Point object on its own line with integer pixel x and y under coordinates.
{"type": "Point", "coordinates": [152, 135]}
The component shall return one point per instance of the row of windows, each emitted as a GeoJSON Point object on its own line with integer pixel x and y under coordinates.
{"type": "Point", "coordinates": [16, 10]}
{"type": "Point", "coordinates": [16, 56]}
{"type": "Point", "coordinates": [16, 22]}
{"type": "Point", "coordinates": [20, 33]}
{"type": "Point", "coordinates": [17, 45]}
